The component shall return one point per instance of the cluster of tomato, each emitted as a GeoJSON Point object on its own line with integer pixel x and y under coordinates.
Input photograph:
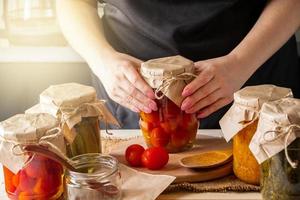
{"type": "Point", "coordinates": [40, 179]}
{"type": "Point", "coordinates": [169, 127]}
{"type": "Point", "coordinates": [153, 158]}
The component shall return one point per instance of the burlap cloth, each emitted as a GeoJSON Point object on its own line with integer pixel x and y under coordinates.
{"type": "Point", "coordinates": [226, 184]}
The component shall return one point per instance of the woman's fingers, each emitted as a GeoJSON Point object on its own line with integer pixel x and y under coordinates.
{"type": "Point", "coordinates": [213, 107]}
{"type": "Point", "coordinates": [203, 78]}
{"type": "Point", "coordinates": [191, 101]}
{"type": "Point", "coordinates": [143, 102]}
{"type": "Point", "coordinates": [135, 79]}
{"type": "Point", "coordinates": [206, 101]}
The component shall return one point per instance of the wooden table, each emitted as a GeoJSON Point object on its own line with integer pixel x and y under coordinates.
{"type": "Point", "coordinates": [182, 195]}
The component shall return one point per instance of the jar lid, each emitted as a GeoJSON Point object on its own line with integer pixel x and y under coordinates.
{"type": "Point", "coordinates": [246, 107]}
{"type": "Point", "coordinates": [22, 129]}
{"type": "Point", "coordinates": [68, 94]}
{"type": "Point", "coordinates": [278, 127]}
{"type": "Point", "coordinates": [27, 127]}
{"type": "Point", "coordinates": [168, 75]}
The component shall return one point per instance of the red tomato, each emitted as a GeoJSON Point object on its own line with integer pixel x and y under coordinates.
{"type": "Point", "coordinates": [37, 167]}
{"type": "Point", "coordinates": [146, 126]}
{"type": "Point", "coordinates": [155, 158]}
{"type": "Point", "coordinates": [159, 138]}
{"type": "Point", "coordinates": [180, 138]}
{"type": "Point", "coordinates": [169, 126]}
{"type": "Point", "coordinates": [170, 110]}
{"type": "Point", "coordinates": [133, 155]}
{"type": "Point", "coordinates": [152, 117]}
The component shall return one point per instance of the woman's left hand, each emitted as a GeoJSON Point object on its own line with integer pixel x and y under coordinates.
{"type": "Point", "coordinates": [214, 86]}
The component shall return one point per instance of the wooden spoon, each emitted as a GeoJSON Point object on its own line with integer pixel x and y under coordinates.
{"type": "Point", "coordinates": [209, 159]}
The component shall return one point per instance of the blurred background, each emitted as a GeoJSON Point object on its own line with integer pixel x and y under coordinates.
{"type": "Point", "coordinates": [34, 54]}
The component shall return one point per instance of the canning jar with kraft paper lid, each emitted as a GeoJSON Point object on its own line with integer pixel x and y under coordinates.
{"type": "Point", "coordinates": [169, 126]}
{"type": "Point", "coordinates": [240, 123]}
{"type": "Point", "coordinates": [276, 146]}
{"type": "Point", "coordinates": [78, 111]}
{"type": "Point", "coordinates": [29, 175]}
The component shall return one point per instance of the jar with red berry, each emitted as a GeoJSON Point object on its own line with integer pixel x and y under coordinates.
{"type": "Point", "coordinates": [169, 126]}
{"type": "Point", "coordinates": [30, 175]}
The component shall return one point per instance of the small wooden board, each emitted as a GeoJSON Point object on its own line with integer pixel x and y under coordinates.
{"type": "Point", "coordinates": [173, 168]}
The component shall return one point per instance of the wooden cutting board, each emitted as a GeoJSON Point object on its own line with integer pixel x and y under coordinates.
{"type": "Point", "coordinates": [173, 168]}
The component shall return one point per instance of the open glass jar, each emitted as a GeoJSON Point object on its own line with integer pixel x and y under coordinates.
{"type": "Point", "coordinates": [169, 126]}
{"type": "Point", "coordinates": [98, 178]}
{"type": "Point", "coordinates": [28, 175]}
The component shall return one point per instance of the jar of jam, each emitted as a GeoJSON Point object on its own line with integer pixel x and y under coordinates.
{"type": "Point", "coordinates": [169, 126]}
{"type": "Point", "coordinates": [240, 123]}
{"type": "Point", "coordinates": [28, 175]}
{"type": "Point", "coordinates": [79, 111]}
{"type": "Point", "coordinates": [98, 178]}
{"type": "Point", "coordinates": [276, 146]}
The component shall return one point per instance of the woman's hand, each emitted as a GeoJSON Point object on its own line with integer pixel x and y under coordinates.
{"type": "Point", "coordinates": [123, 83]}
{"type": "Point", "coordinates": [217, 80]}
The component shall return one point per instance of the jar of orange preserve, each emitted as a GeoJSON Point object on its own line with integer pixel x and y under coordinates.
{"type": "Point", "coordinates": [28, 175]}
{"type": "Point", "coordinates": [169, 126]}
{"type": "Point", "coordinates": [240, 123]}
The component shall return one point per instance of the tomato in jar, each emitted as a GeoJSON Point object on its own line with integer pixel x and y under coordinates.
{"type": "Point", "coordinates": [39, 179]}
{"type": "Point", "coordinates": [169, 127]}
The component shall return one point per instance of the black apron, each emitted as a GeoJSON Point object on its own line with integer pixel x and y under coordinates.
{"type": "Point", "coordinates": [196, 29]}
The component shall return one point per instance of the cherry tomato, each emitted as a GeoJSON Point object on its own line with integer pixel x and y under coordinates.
{"type": "Point", "coordinates": [133, 155]}
{"type": "Point", "coordinates": [159, 138]}
{"type": "Point", "coordinates": [171, 110]}
{"type": "Point", "coordinates": [152, 117]}
{"type": "Point", "coordinates": [155, 158]}
{"type": "Point", "coordinates": [180, 138]}
{"type": "Point", "coordinates": [146, 126]}
{"type": "Point", "coordinates": [169, 126]}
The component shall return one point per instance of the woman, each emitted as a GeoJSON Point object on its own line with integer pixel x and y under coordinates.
{"type": "Point", "coordinates": [232, 42]}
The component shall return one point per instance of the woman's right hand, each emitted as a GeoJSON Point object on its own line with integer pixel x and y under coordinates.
{"type": "Point", "coordinates": [124, 84]}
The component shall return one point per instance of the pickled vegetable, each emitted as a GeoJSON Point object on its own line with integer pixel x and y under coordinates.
{"type": "Point", "coordinates": [169, 127]}
{"type": "Point", "coordinates": [245, 166]}
{"type": "Point", "coordinates": [279, 180]}
{"type": "Point", "coordinates": [87, 138]}
{"type": "Point", "coordinates": [40, 179]}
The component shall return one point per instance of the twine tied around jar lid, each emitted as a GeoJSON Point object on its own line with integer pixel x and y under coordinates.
{"type": "Point", "coordinates": [168, 76]}
{"type": "Point", "coordinates": [285, 132]}
{"type": "Point", "coordinates": [168, 80]}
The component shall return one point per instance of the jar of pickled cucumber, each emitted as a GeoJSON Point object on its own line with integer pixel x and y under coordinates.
{"type": "Point", "coordinates": [169, 126]}
{"type": "Point", "coordinates": [79, 111]}
{"type": "Point", "coordinates": [240, 123]}
{"type": "Point", "coordinates": [276, 146]}
{"type": "Point", "coordinates": [28, 175]}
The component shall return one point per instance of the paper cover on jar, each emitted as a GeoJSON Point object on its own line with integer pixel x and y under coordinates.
{"type": "Point", "coordinates": [23, 129]}
{"type": "Point", "coordinates": [70, 102]}
{"type": "Point", "coordinates": [246, 107]}
{"type": "Point", "coordinates": [278, 126]}
{"type": "Point", "coordinates": [168, 76]}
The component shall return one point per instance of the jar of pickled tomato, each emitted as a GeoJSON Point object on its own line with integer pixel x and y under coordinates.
{"type": "Point", "coordinates": [28, 175]}
{"type": "Point", "coordinates": [169, 126]}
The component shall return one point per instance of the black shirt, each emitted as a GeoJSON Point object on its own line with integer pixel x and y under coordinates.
{"type": "Point", "coordinates": [196, 29]}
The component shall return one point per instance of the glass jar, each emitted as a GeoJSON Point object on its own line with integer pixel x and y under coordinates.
{"type": "Point", "coordinates": [169, 127]}
{"type": "Point", "coordinates": [245, 166]}
{"type": "Point", "coordinates": [98, 178]}
{"type": "Point", "coordinates": [87, 138]}
{"type": "Point", "coordinates": [279, 180]}
{"type": "Point", "coordinates": [39, 179]}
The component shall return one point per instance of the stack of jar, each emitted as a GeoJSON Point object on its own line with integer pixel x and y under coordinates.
{"type": "Point", "coordinates": [74, 111]}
